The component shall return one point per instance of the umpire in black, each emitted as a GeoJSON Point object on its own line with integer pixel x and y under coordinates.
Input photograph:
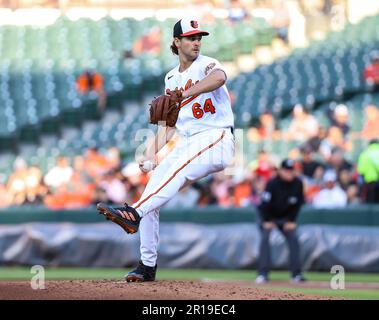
{"type": "Point", "coordinates": [279, 207]}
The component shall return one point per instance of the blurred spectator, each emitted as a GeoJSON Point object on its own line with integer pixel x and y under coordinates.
{"type": "Point", "coordinates": [334, 139]}
{"type": "Point", "coordinates": [281, 19]}
{"type": "Point", "coordinates": [80, 182]}
{"type": "Point", "coordinates": [148, 43]}
{"type": "Point", "coordinates": [337, 161]}
{"type": "Point", "coordinates": [60, 174]}
{"type": "Point", "coordinates": [266, 128]}
{"type": "Point", "coordinates": [99, 195]}
{"type": "Point", "coordinates": [63, 198]}
{"type": "Point", "coordinates": [346, 178]}
{"type": "Point", "coordinates": [293, 154]}
{"type": "Point", "coordinates": [89, 81]}
{"type": "Point", "coordinates": [113, 158]}
{"type": "Point", "coordinates": [304, 126]}
{"type": "Point", "coordinates": [206, 197]}
{"type": "Point", "coordinates": [309, 167]}
{"type": "Point", "coordinates": [331, 195]}
{"type": "Point", "coordinates": [263, 166]}
{"type": "Point", "coordinates": [5, 197]}
{"type": "Point", "coordinates": [76, 192]}
{"type": "Point", "coordinates": [186, 198]}
{"type": "Point", "coordinates": [35, 191]}
{"type": "Point", "coordinates": [132, 172]}
{"type": "Point", "coordinates": [134, 181]}
{"type": "Point", "coordinates": [315, 141]}
{"type": "Point", "coordinates": [236, 11]}
{"type": "Point", "coordinates": [95, 163]}
{"type": "Point", "coordinates": [220, 187]}
{"type": "Point", "coordinates": [92, 81]}
{"type": "Point", "coordinates": [25, 185]}
{"type": "Point", "coordinates": [243, 187]}
{"type": "Point", "coordinates": [352, 193]}
{"type": "Point", "coordinates": [368, 168]}
{"type": "Point", "coordinates": [80, 175]}
{"type": "Point", "coordinates": [339, 117]}
{"type": "Point", "coordinates": [16, 185]}
{"type": "Point", "coordinates": [259, 185]}
{"type": "Point", "coordinates": [371, 127]}
{"type": "Point", "coordinates": [114, 188]}
{"type": "Point", "coordinates": [371, 73]}
{"type": "Point", "coordinates": [311, 188]}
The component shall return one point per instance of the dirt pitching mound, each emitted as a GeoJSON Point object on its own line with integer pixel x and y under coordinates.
{"type": "Point", "coordinates": [159, 290]}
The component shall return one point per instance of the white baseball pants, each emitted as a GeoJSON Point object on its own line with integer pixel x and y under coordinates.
{"type": "Point", "coordinates": [192, 158]}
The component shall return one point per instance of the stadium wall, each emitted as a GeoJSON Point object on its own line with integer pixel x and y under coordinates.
{"type": "Point", "coordinates": [190, 239]}
{"type": "Point", "coordinates": [359, 215]}
{"type": "Point", "coordinates": [186, 245]}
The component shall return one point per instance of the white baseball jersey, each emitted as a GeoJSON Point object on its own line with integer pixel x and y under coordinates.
{"type": "Point", "coordinates": [207, 110]}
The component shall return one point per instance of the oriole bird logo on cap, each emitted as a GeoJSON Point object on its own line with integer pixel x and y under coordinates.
{"type": "Point", "coordinates": [194, 24]}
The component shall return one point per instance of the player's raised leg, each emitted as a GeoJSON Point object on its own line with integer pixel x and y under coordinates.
{"type": "Point", "coordinates": [193, 159]}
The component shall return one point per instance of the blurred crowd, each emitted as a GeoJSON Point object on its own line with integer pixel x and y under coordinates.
{"type": "Point", "coordinates": [275, 13]}
{"type": "Point", "coordinates": [320, 153]}
{"type": "Point", "coordinates": [74, 183]}
{"type": "Point", "coordinates": [330, 179]}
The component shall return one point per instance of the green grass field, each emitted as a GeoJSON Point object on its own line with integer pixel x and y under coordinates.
{"type": "Point", "coordinates": [23, 273]}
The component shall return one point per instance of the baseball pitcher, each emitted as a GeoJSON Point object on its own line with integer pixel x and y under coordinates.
{"type": "Point", "coordinates": [196, 104]}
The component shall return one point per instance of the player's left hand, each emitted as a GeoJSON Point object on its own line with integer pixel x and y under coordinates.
{"type": "Point", "coordinates": [175, 95]}
{"type": "Point", "coordinates": [164, 110]}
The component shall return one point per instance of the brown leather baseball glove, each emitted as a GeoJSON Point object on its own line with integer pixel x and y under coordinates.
{"type": "Point", "coordinates": [165, 109]}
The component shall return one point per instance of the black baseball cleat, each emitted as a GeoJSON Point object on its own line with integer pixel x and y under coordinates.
{"type": "Point", "coordinates": [141, 273]}
{"type": "Point", "coordinates": [126, 217]}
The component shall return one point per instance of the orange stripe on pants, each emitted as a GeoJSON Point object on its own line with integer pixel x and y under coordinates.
{"type": "Point", "coordinates": [181, 168]}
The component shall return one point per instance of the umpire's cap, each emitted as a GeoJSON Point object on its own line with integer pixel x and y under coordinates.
{"type": "Point", "coordinates": [188, 27]}
{"type": "Point", "coordinates": [288, 164]}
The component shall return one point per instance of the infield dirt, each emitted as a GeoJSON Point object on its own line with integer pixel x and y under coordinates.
{"type": "Point", "coordinates": [158, 290]}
